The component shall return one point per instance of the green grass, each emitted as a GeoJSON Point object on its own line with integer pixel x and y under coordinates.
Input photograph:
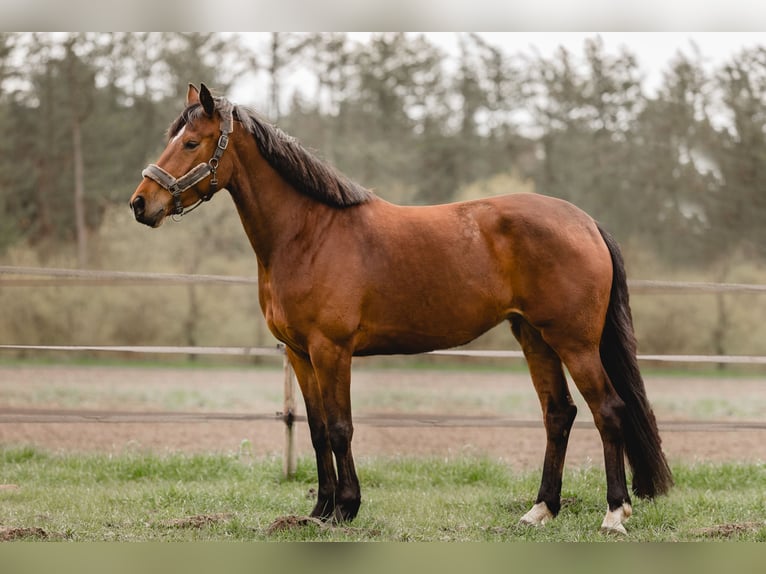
{"type": "Point", "coordinates": [146, 497]}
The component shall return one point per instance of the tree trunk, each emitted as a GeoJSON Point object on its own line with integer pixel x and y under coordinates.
{"type": "Point", "coordinates": [81, 229]}
{"type": "Point", "coordinates": [274, 69]}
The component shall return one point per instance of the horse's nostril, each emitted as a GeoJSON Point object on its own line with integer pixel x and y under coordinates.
{"type": "Point", "coordinates": [138, 205]}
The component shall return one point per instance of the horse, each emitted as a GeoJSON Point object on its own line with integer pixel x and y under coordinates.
{"type": "Point", "coordinates": [344, 273]}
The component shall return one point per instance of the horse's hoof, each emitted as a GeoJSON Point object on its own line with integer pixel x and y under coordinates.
{"type": "Point", "coordinates": [613, 521]}
{"type": "Point", "coordinates": [323, 511]}
{"type": "Point", "coordinates": [346, 512]}
{"type": "Point", "coordinates": [538, 515]}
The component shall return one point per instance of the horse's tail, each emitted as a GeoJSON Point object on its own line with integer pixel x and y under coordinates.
{"type": "Point", "coordinates": [651, 474]}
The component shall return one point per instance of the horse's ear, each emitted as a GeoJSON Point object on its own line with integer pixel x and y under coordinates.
{"type": "Point", "coordinates": [192, 96]}
{"type": "Point", "coordinates": [206, 99]}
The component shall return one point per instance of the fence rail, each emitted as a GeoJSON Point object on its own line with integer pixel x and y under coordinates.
{"type": "Point", "coordinates": [279, 351]}
{"type": "Point", "coordinates": [99, 277]}
{"type": "Point", "coordinates": [388, 420]}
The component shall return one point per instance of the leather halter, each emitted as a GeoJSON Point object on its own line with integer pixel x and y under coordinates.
{"type": "Point", "coordinates": [176, 186]}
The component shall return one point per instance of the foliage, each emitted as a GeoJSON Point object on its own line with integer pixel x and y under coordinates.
{"type": "Point", "coordinates": [676, 174]}
{"type": "Point", "coordinates": [679, 169]}
{"type": "Point", "coordinates": [139, 497]}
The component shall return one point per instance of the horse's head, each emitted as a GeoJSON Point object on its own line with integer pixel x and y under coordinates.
{"type": "Point", "coordinates": [191, 165]}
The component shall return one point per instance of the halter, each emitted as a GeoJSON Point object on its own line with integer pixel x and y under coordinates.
{"type": "Point", "coordinates": [196, 174]}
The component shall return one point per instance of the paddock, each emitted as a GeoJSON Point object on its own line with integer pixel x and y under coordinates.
{"type": "Point", "coordinates": [442, 407]}
{"type": "Point", "coordinates": [479, 411]}
{"type": "Point", "coordinates": [125, 404]}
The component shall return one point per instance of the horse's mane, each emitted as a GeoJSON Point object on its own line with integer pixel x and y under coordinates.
{"type": "Point", "coordinates": [303, 170]}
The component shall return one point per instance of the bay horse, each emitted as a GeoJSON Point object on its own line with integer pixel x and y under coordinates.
{"type": "Point", "coordinates": [343, 273]}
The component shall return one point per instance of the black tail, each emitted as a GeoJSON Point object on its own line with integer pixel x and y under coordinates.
{"type": "Point", "coordinates": [651, 474]}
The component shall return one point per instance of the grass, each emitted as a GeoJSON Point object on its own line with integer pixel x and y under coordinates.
{"type": "Point", "coordinates": [147, 497]}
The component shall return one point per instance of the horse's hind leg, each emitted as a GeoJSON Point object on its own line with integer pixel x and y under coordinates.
{"type": "Point", "coordinates": [558, 415]}
{"type": "Point", "coordinates": [320, 437]}
{"type": "Point", "coordinates": [588, 373]}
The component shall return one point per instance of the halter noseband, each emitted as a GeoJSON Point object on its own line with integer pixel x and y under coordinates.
{"type": "Point", "coordinates": [196, 174]}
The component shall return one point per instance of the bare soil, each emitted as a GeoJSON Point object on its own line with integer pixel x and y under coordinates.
{"type": "Point", "coordinates": [35, 389]}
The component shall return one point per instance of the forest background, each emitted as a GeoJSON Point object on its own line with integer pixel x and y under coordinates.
{"type": "Point", "coordinates": [677, 173]}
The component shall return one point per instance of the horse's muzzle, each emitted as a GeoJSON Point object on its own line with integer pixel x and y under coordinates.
{"type": "Point", "coordinates": [138, 205]}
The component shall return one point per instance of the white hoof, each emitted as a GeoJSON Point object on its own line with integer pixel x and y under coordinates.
{"type": "Point", "coordinates": [537, 516]}
{"type": "Point", "coordinates": [613, 521]}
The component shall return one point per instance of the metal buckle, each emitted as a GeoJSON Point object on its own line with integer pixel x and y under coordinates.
{"type": "Point", "coordinates": [223, 141]}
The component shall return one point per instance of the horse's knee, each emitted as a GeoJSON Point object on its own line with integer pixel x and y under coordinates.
{"type": "Point", "coordinates": [319, 436]}
{"type": "Point", "coordinates": [341, 433]}
{"type": "Point", "coordinates": [560, 419]}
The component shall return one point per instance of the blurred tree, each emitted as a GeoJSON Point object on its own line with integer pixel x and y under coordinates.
{"type": "Point", "coordinates": [329, 56]}
{"type": "Point", "coordinates": [741, 205]}
{"type": "Point", "coordinates": [87, 111]}
{"type": "Point", "coordinates": [487, 141]}
{"type": "Point", "coordinates": [35, 155]}
{"type": "Point", "coordinates": [6, 50]}
{"type": "Point", "coordinates": [211, 58]}
{"type": "Point", "coordinates": [398, 84]}
{"type": "Point", "coordinates": [79, 78]}
{"type": "Point", "coordinates": [8, 232]}
{"type": "Point", "coordinates": [737, 208]}
{"type": "Point", "coordinates": [284, 49]}
{"type": "Point", "coordinates": [586, 112]}
{"type": "Point", "coordinates": [388, 113]}
{"type": "Point", "coordinates": [376, 101]}
{"type": "Point", "coordinates": [680, 171]}
{"type": "Point", "coordinates": [674, 155]}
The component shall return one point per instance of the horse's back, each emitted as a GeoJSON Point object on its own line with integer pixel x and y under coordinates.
{"type": "Point", "coordinates": [516, 234]}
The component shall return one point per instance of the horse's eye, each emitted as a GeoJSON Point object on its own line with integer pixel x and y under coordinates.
{"type": "Point", "coordinates": [191, 144]}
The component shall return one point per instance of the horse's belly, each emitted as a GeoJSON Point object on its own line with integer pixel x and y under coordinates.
{"type": "Point", "coordinates": [418, 332]}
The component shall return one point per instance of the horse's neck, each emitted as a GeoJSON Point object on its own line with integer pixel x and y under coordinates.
{"type": "Point", "coordinates": [271, 211]}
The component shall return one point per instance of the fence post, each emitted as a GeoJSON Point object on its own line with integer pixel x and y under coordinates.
{"type": "Point", "coordinates": [290, 457]}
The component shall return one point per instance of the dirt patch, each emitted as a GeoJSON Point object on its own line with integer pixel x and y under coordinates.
{"type": "Point", "coordinates": [292, 522]}
{"type": "Point", "coordinates": [729, 530]}
{"type": "Point", "coordinates": [9, 534]}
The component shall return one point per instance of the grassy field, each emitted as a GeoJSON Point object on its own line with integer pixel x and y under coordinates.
{"type": "Point", "coordinates": [147, 497]}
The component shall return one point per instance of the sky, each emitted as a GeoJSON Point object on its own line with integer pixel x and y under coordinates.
{"type": "Point", "coordinates": [654, 50]}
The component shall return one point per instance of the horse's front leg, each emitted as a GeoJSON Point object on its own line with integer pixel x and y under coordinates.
{"type": "Point", "coordinates": [320, 437]}
{"type": "Point", "coordinates": [332, 367]}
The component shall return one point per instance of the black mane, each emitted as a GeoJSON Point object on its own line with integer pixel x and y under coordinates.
{"type": "Point", "coordinates": [303, 170]}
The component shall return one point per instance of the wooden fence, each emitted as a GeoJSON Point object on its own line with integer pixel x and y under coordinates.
{"type": "Point", "coordinates": [31, 277]}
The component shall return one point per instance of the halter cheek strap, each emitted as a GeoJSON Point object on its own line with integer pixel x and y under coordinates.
{"type": "Point", "coordinates": [176, 186]}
